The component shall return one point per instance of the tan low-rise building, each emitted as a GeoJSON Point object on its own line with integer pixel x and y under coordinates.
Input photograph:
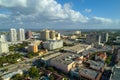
{"type": "Point", "coordinates": [77, 48]}
{"type": "Point", "coordinates": [85, 73]}
{"type": "Point", "coordinates": [33, 48]}
{"type": "Point", "coordinates": [64, 62]}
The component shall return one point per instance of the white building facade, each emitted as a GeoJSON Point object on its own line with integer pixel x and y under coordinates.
{"type": "Point", "coordinates": [13, 35]}
{"type": "Point", "coordinates": [4, 47]}
{"type": "Point", "coordinates": [21, 34]}
{"type": "Point", "coordinates": [2, 38]}
{"type": "Point", "coordinates": [53, 44]}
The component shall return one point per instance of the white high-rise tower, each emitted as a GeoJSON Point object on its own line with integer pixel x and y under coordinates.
{"type": "Point", "coordinates": [2, 38]}
{"type": "Point", "coordinates": [21, 34]}
{"type": "Point", "coordinates": [13, 35]}
{"type": "Point", "coordinates": [3, 45]}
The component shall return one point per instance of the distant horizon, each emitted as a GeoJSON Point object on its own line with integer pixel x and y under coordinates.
{"type": "Point", "coordinates": [61, 29]}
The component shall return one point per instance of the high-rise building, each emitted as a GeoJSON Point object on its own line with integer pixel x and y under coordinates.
{"type": "Point", "coordinates": [104, 37]}
{"type": "Point", "coordinates": [13, 35]}
{"type": "Point", "coordinates": [52, 34]}
{"type": "Point", "coordinates": [99, 39]}
{"type": "Point", "coordinates": [92, 38]}
{"type": "Point", "coordinates": [28, 34]}
{"type": "Point", "coordinates": [107, 37]}
{"type": "Point", "coordinates": [45, 35]}
{"type": "Point", "coordinates": [58, 36]}
{"type": "Point", "coordinates": [21, 34]}
{"type": "Point", "coordinates": [2, 38]}
{"type": "Point", "coordinates": [4, 47]}
{"type": "Point", "coordinates": [49, 35]}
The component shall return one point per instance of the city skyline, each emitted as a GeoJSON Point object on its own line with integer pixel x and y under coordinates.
{"type": "Point", "coordinates": [60, 14]}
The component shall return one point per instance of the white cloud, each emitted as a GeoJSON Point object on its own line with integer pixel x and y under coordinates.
{"type": "Point", "coordinates": [88, 10]}
{"type": "Point", "coordinates": [49, 9]}
{"type": "Point", "coordinates": [4, 16]}
{"type": "Point", "coordinates": [46, 13]}
{"type": "Point", "coordinates": [13, 3]}
{"type": "Point", "coordinates": [103, 20]}
{"type": "Point", "coordinates": [55, 11]}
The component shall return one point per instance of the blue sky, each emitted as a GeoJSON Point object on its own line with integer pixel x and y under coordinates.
{"type": "Point", "coordinates": [103, 8]}
{"type": "Point", "coordinates": [60, 14]}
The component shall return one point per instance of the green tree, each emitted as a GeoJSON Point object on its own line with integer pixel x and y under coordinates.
{"type": "Point", "coordinates": [26, 76]}
{"type": "Point", "coordinates": [65, 79]}
{"type": "Point", "coordinates": [51, 69]}
{"type": "Point", "coordinates": [33, 72]}
{"type": "Point", "coordinates": [51, 77]}
{"type": "Point", "coordinates": [17, 77]}
{"type": "Point", "coordinates": [9, 59]}
{"type": "Point", "coordinates": [11, 48]}
{"type": "Point", "coordinates": [31, 55]}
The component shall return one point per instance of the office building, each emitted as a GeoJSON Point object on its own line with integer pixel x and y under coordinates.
{"type": "Point", "coordinates": [47, 59]}
{"type": "Point", "coordinates": [58, 36]}
{"type": "Point", "coordinates": [13, 35]}
{"type": "Point", "coordinates": [92, 38]}
{"type": "Point", "coordinates": [64, 62]}
{"type": "Point", "coordinates": [33, 48]}
{"type": "Point", "coordinates": [49, 35]}
{"type": "Point", "coordinates": [83, 72]}
{"type": "Point", "coordinates": [3, 38]}
{"type": "Point", "coordinates": [45, 35]}
{"type": "Point", "coordinates": [53, 44]}
{"type": "Point", "coordinates": [104, 37]}
{"type": "Point", "coordinates": [96, 65]}
{"type": "Point", "coordinates": [35, 36]}
{"type": "Point", "coordinates": [77, 48]}
{"type": "Point", "coordinates": [4, 47]}
{"type": "Point", "coordinates": [28, 34]}
{"type": "Point", "coordinates": [117, 59]}
{"type": "Point", "coordinates": [97, 39]}
{"type": "Point", "coordinates": [52, 35]}
{"type": "Point", "coordinates": [115, 75]}
{"type": "Point", "coordinates": [21, 34]}
{"type": "Point", "coordinates": [107, 37]}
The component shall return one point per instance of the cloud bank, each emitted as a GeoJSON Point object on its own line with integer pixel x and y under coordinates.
{"type": "Point", "coordinates": [46, 14]}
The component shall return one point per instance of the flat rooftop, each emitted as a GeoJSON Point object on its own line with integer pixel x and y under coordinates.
{"type": "Point", "coordinates": [51, 41]}
{"type": "Point", "coordinates": [86, 72]}
{"type": "Point", "coordinates": [95, 64]}
{"type": "Point", "coordinates": [116, 74]}
{"type": "Point", "coordinates": [66, 58]}
{"type": "Point", "coordinates": [51, 56]}
{"type": "Point", "coordinates": [93, 50]}
{"type": "Point", "coordinates": [77, 48]}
